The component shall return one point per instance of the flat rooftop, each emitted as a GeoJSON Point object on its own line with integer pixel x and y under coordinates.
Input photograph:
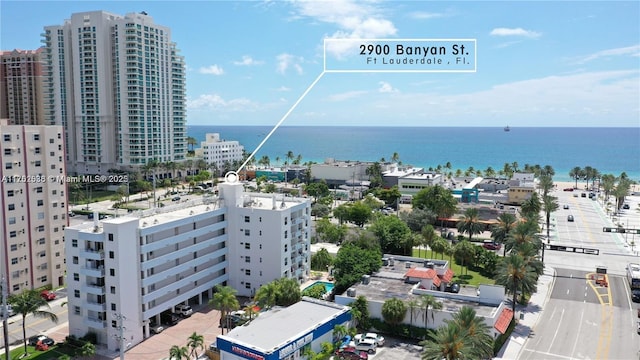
{"type": "Point", "coordinates": [389, 283]}
{"type": "Point", "coordinates": [277, 327]}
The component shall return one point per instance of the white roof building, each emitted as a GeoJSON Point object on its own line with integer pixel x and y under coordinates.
{"type": "Point", "coordinates": [219, 151]}
{"type": "Point", "coordinates": [137, 267]}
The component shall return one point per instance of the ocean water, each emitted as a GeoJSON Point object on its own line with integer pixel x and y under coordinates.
{"type": "Point", "coordinates": [609, 150]}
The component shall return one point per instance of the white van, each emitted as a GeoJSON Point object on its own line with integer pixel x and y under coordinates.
{"type": "Point", "coordinates": [10, 311]}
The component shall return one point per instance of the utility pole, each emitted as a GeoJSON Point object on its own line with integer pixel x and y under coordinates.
{"type": "Point", "coordinates": [5, 316]}
{"type": "Point", "coordinates": [121, 318]}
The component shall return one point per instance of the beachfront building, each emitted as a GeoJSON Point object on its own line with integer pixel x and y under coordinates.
{"type": "Point", "coordinates": [336, 172]}
{"type": "Point", "coordinates": [413, 183]}
{"type": "Point", "coordinates": [142, 265]}
{"type": "Point", "coordinates": [521, 187]}
{"type": "Point", "coordinates": [33, 199]}
{"type": "Point", "coordinates": [408, 278]}
{"type": "Point", "coordinates": [220, 153]}
{"type": "Point", "coordinates": [117, 86]}
{"type": "Point", "coordinates": [21, 87]}
{"type": "Point", "coordinates": [284, 333]}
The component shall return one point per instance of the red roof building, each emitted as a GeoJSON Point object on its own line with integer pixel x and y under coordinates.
{"type": "Point", "coordinates": [503, 320]}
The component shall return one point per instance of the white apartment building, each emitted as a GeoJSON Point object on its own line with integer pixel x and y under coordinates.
{"type": "Point", "coordinates": [129, 270]}
{"type": "Point", "coordinates": [33, 198]}
{"type": "Point", "coordinates": [219, 151]}
{"type": "Point", "coordinates": [117, 86]}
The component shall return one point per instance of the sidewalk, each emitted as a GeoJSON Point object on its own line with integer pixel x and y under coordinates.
{"type": "Point", "coordinates": [527, 318]}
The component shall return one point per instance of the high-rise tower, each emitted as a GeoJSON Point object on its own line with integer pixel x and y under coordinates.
{"type": "Point", "coordinates": [117, 85]}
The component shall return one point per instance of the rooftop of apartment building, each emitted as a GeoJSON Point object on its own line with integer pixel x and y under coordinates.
{"type": "Point", "coordinates": [389, 282]}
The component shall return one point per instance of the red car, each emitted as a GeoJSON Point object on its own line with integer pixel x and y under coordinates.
{"type": "Point", "coordinates": [48, 295]}
{"type": "Point", "coordinates": [350, 353]}
{"type": "Point", "coordinates": [491, 246]}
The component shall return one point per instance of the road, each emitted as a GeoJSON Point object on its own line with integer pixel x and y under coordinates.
{"type": "Point", "coordinates": [583, 320]}
{"type": "Point", "coordinates": [34, 325]}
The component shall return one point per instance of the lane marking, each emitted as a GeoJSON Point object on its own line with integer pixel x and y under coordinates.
{"type": "Point", "coordinates": [555, 336]}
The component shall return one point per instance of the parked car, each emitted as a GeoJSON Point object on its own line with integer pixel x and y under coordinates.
{"type": "Point", "coordinates": [568, 189]}
{"type": "Point", "coordinates": [453, 288]}
{"type": "Point", "coordinates": [169, 318]}
{"type": "Point", "coordinates": [155, 328]}
{"type": "Point", "coordinates": [47, 295]}
{"type": "Point", "coordinates": [184, 310]}
{"type": "Point", "coordinates": [490, 245]}
{"type": "Point", "coordinates": [175, 198]}
{"type": "Point", "coordinates": [625, 206]}
{"type": "Point", "coordinates": [566, 207]}
{"type": "Point", "coordinates": [584, 195]}
{"type": "Point", "coordinates": [350, 353]}
{"type": "Point", "coordinates": [33, 341]}
{"type": "Point", "coordinates": [635, 297]}
{"type": "Point", "coordinates": [368, 345]}
{"type": "Point", "coordinates": [233, 319]}
{"type": "Point", "coordinates": [570, 218]}
{"type": "Point", "coordinates": [372, 336]}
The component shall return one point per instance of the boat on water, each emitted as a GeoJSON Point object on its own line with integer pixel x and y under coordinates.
{"type": "Point", "coordinates": [506, 128]}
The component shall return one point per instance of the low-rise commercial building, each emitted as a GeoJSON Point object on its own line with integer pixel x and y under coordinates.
{"type": "Point", "coordinates": [284, 333]}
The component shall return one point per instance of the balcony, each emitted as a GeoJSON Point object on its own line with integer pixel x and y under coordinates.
{"type": "Point", "coordinates": [95, 323]}
{"type": "Point", "coordinates": [94, 271]}
{"type": "Point", "coordinates": [93, 289]}
{"type": "Point", "coordinates": [92, 254]}
{"type": "Point", "coordinates": [94, 306]}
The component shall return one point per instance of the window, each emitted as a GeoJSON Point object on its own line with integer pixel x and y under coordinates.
{"type": "Point", "coordinates": [113, 307]}
{"type": "Point", "coordinates": [76, 293]}
{"type": "Point", "coordinates": [40, 202]}
{"type": "Point", "coordinates": [286, 234]}
{"type": "Point", "coordinates": [12, 220]}
{"type": "Point", "coordinates": [36, 137]}
{"type": "Point", "coordinates": [113, 289]}
{"type": "Point", "coordinates": [38, 163]}
{"type": "Point", "coordinates": [39, 189]}
{"type": "Point", "coordinates": [247, 259]}
{"type": "Point", "coordinates": [13, 234]}
{"type": "Point", "coordinates": [76, 277]}
{"type": "Point", "coordinates": [14, 247]}
{"type": "Point", "coordinates": [110, 236]}
{"type": "Point", "coordinates": [247, 232]}
{"type": "Point", "coordinates": [76, 310]}
{"type": "Point", "coordinates": [247, 246]}
{"type": "Point", "coordinates": [8, 165]}
{"type": "Point", "coordinates": [9, 193]}
{"type": "Point", "coordinates": [286, 248]}
{"type": "Point", "coordinates": [111, 255]}
{"type": "Point", "coordinates": [74, 242]}
{"type": "Point", "coordinates": [112, 272]}
{"type": "Point", "coordinates": [7, 137]}
{"type": "Point", "coordinates": [12, 206]}
{"type": "Point", "coordinates": [14, 261]}
{"type": "Point", "coordinates": [247, 219]}
{"type": "Point", "coordinates": [247, 272]}
{"type": "Point", "coordinates": [75, 260]}
{"type": "Point", "coordinates": [247, 285]}
{"type": "Point", "coordinates": [40, 215]}
{"type": "Point", "coordinates": [8, 152]}
{"type": "Point", "coordinates": [114, 324]}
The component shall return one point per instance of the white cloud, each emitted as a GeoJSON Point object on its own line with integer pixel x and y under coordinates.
{"type": "Point", "coordinates": [425, 15]}
{"type": "Point", "coordinates": [633, 50]}
{"type": "Point", "coordinates": [248, 61]}
{"type": "Point", "coordinates": [514, 32]}
{"type": "Point", "coordinates": [347, 95]}
{"type": "Point", "coordinates": [212, 70]}
{"type": "Point", "coordinates": [385, 87]}
{"type": "Point", "coordinates": [354, 20]}
{"type": "Point", "coordinates": [216, 102]}
{"type": "Point", "coordinates": [283, 88]}
{"type": "Point", "coordinates": [287, 61]}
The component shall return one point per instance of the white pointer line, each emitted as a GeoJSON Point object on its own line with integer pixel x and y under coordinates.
{"type": "Point", "coordinates": [280, 122]}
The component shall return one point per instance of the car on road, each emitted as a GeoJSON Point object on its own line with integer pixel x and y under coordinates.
{"type": "Point", "coordinates": [47, 295]}
{"type": "Point", "coordinates": [570, 218]}
{"type": "Point", "coordinates": [568, 189]}
{"type": "Point", "coordinates": [635, 296]}
{"type": "Point", "coordinates": [33, 341]}
{"type": "Point", "coordinates": [491, 246]}
{"type": "Point", "coordinates": [566, 207]}
{"type": "Point", "coordinates": [626, 206]}
{"type": "Point", "coordinates": [373, 336]}
{"type": "Point", "coordinates": [584, 195]}
{"type": "Point", "coordinates": [351, 353]}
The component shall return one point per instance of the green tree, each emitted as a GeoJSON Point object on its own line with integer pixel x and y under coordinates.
{"type": "Point", "coordinates": [532, 206]}
{"type": "Point", "coordinates": [465, 251]}
{"type": "Point", "coordinates": [266, 295]}
{"type": "Point", "coordinates": [477, 330]}
{"type": "Point", "coordinates": [374, 171]}
{"type": "Point", "coordinates": [429, 302]}
{"type": "Point", "coordinates": [353, 261]}
{"type": "Point", "coordinates": [414, 308]}
{"type": "Point", "coordinates": [500, 231]}
{"type": "Point", "coordinates": [316, 291]}
{"type": "Point", "coordinates": [439, 245]}
{"type": "Point", "coordinates": [417, 218]}
{"type": "Point", "coordinates": [549, 205]}
{"type": "Point", "coordinates": [449, 342]}
{"type": "Point", "coordinates": [29, 302]}
{"type": "Point", "coordinates": [524, 232]}
{"type": "Point", "coordinates": [178, 352]}
{"type": "Point", "coordinates": [514, 274]}
{"type": "Point", "coordinates": [195, 342]}
{"type": "Point", "coordinates": [437, 199]}
{"type": "Point", "coordinates": [317, 190]}
{"type": "Point", "coordinates": [288, 291]}
{"type": "Point", "coordinates": [389, 196]}
{"type": "Point", "coordinates": [393, 235]}
{"type": "Point", "coordinates": [88, 350]}
{"type": "Point", "coordinates": [360, 313]}
{"type": "Point", "coordinates": [470, 223]}
{"type": "Point", "coordinates": [393, 311]}
{"type": "Point", "coordinates": [329, 232]}
{"type": "Point", "coordinates": [321, 260]}
{"type": "Point", "coordinates": [224, 299]}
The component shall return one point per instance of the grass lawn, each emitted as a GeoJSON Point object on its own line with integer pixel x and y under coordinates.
{"type": "Point", "coordinates": [52, 354]}
{"type": "Point", "coordinates": [463, 276]}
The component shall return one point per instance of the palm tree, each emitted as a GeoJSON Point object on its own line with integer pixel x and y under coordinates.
{"type": "Point", "coordinates": [339, 331]}
{"type": "Point", "coordinates": [545, 184]}
{"type": "Point", "coordinates": [477, 330]}
{"type": "Point", "coordinates": [428, 235]}
{"type": "Point", "coordinates": [500, 232]}
{"type": "Point", "coordinates": [393, 311]}
{"type": "Point", "coordinates": [439, 245]}
{"type": "Point", "coordinates": [450, 342]}
{"type": "Point", "coordinates": [414, 306]}
{"type": "Point", "coordinates": [266, 295]}
{"type": "Point", "coordinates": [470, 223]}
{"type": "Point", "coordinates": [192, 142]}
{"type": "Point", "coordinates": [524, 232]}
{"type": "Point", "coordinates": [531, 206]}
{"type": "Point", "coordinates": [30, 302]}
{"type": "Point", "coordinates": [195, 342]}
{"type": "Point", "coordinates": [576, 173]}
{"type": "Point", "coordinates": [225, 300]}
{"type": "Point", "coordinates": [465, 251]}
{"type": "Point", "coordinates": [429, 302]}
{"type": "Point", "coordinates": [514, 274]}
{"type": "Point", "coordinates": [87, 350]}
{"type": "Point", "coordinates": [549, 205]}
{"type": "Point", "coordinates": [178, 353]}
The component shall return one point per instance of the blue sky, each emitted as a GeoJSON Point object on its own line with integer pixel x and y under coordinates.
{"type": "Point", "coordinates": [539, 63]}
